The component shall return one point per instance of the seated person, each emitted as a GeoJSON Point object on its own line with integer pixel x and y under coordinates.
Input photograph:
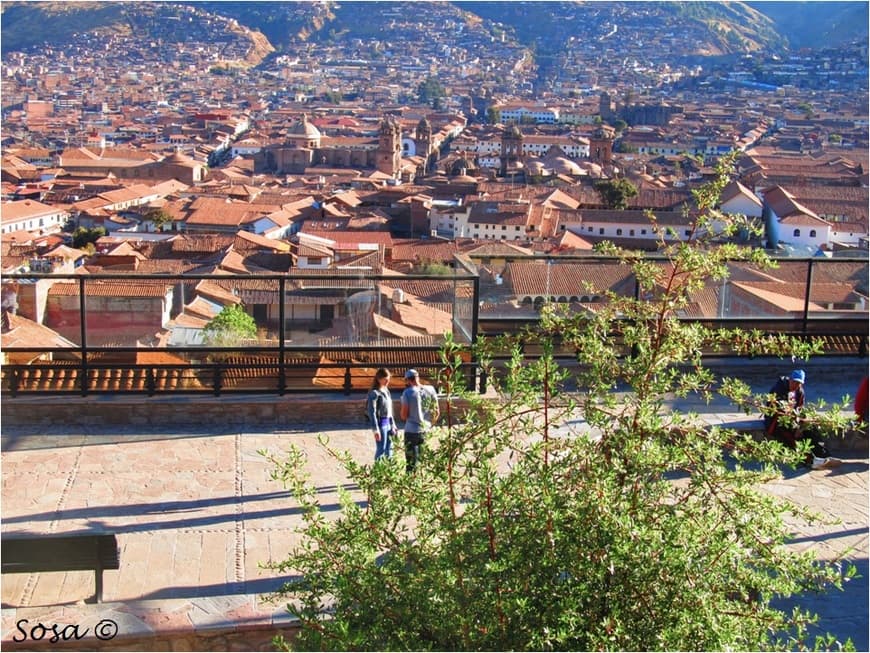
{"type": "Point", "coordinates": [789, 397]}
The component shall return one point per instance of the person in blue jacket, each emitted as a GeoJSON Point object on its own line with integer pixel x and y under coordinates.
{"type": "Point", "coordinates": [379, 408]}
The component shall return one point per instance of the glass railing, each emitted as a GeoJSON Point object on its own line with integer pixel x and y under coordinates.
{"type": "Point", "coordinates": [314, 330]}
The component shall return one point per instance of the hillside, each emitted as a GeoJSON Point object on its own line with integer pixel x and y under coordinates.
{"type": "Point", "coordinates": [817, 24]}
{"type": "Point", "coordinates": [712, 28]}
{"type": "Point", "coordinates": [35, 24]}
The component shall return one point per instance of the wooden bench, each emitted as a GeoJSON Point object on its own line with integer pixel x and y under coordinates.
{"type": "Point", "coordinates": [68, 552]}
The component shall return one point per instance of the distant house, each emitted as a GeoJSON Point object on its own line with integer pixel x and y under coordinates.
{"type": "Point", "coordinates": [738, 199]}
{"type": "Point", "coordinates": [117, 312]}
{"type": "Point", "coordinates": [597, 224]}
{"type": "Point", "coordinates": [797, 225]}
{"type": "Point", "coordinates": [30, 215]}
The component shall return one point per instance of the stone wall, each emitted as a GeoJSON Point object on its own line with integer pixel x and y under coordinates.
{"type": "Point", "coordinates": [185, 410]}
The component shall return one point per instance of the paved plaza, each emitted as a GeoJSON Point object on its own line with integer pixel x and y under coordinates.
{"type": "Point", "coordinates": [197, 517]}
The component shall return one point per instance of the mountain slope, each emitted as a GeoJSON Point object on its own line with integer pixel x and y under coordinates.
{"type": "Point", "coordinates": [546, 27]}
{"type": "Point", "coordinates": [817, 24]}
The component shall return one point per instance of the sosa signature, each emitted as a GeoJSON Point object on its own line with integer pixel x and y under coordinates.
{"type": "Point", "coordinates": [105, 629]}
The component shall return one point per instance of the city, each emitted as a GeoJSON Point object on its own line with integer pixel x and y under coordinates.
{"type": "Point", "coordinates": [359, 179]}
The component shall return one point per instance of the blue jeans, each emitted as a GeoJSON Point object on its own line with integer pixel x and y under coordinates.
{"type": "Point", "coordinates": [384, 447]}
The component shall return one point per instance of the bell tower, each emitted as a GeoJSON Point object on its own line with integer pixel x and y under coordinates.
{"type": "Point", "coordinates": [389, 154]}
{"type": "Point", "coordinates": [511, 148]}
{"type": "Point", "coordinates": [601, 145]}
{"type": "Point", "coordinates": [423, 142]}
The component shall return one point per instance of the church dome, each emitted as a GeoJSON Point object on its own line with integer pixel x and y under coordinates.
{"type": "Point", "coordinates": [563, 166]}
{"type": "Point", "coordinates": [305, 129]}
{"type": "Point", "coordinates": [536, 167]}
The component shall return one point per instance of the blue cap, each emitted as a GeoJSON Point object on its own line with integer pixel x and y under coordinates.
{"type": "Point", "coordinates": [411, 374]}
{"type": "Point", "coordinates": [799, 376]}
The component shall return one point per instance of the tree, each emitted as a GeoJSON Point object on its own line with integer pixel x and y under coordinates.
{"type": "Point", "coordinates": [645, 531]}
{"type": "Point", "coordinates": [616, 192]}
{"type": "Point", "coordinates": [619, 125]}
{"type": "Point", "coordinates": [159, 218]}
{"type": "Point", "coordinates": [435, 268]}
{"type": "Point", "coordinates": [229, 327]}
{"type": "Point", "coordinates": [429, 90]}
{"type": "Point", "coordinates": [807, 109]}
{"type": "Point", "coordinates": [493, 116]}
{"type": "Point", "coordinates": [84, 236]}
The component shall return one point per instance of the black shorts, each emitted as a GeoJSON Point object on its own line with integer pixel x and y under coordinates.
{"type": "Point", "coordinates": [413, 438]}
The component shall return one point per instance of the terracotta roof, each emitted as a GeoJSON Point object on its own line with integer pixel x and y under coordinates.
{"type": "Point", "coordinates": [358, 237]}
{"type": "Point", "coordinates": [499, 213]}
{"type": "Point", "coordinates": [565, 279]}
{"type": "Point", "coordinates": [99, 288]}
{"type": "Point", "coordinates": [23, 332]}
{"type": "Point", "coordinates": [423, 316]}
{"type": "Point", "coordinates": [431, 249]}
{"type": "Point", "coordinates": [22, 209]}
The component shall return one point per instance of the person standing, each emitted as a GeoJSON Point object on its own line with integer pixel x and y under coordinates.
{"type": "Point", "coordinates": [379, 408]}
{"type": "Point", "coordinates": [419, 408]}
{"type": "Point", "coordinates": [789, 401]}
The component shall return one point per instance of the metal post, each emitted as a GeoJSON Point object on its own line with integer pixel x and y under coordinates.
{"type": "Point", "coordinates": [807, 297]}
{"type": "Point", "coordinates": [84, 336]}
{"type": "Point", "coordinates": [13, 382]}
{"type": "Point", "coordinates": [217, 380]}
{"type": "Point", "coordinates": [348, 386]}
{"type": "Point", "coordinates": [282, 377]}
{"type": "Point", "coordinates": [475, 318]}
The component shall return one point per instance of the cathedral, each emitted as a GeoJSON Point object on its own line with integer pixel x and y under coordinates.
{"type": "Point", "coordinates": [305, 147]}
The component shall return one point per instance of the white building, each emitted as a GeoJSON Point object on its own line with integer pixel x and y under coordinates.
{"type": "Point", "coordinates": [523, 113]}
{"type": "Point", "coordinates": [30, 215]}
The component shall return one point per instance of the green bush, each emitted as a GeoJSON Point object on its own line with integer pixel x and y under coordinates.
{"type": "Point", "coordinates": [645, 530]}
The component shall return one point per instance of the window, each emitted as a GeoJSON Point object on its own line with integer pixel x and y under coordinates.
{"type": "Point", "coordinates": [619, 232]}
{"type": "Point", "coordinates": [643, 232]}
{"type": "Point", "coordinates": [797, 232]}
{"type": "Point", "coordinates": [590, 230]}
{"type": "Point", "coordinates": [687, 232]}
{"type": "Point", "coordinates": [601, 231]}
{"type": "Point", "coordinates": [631, 232]}
{"type": "Point", "coordinates": [812, 233]}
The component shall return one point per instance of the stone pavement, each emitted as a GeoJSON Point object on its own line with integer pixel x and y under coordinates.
{"type": "Point", "coordinates": [197, 516]}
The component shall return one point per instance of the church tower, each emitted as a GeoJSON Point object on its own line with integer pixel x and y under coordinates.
{"type": "Point", "coordinates": [601, 145]}
{"type": "Point", "coordinates": [389, 154]}
{"type": "Point", "coordinates": [511, 149]}
{"type": "Point", "coordinates": [423, 143]}
{"type": "Point", "coordinates": [606, 107]}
